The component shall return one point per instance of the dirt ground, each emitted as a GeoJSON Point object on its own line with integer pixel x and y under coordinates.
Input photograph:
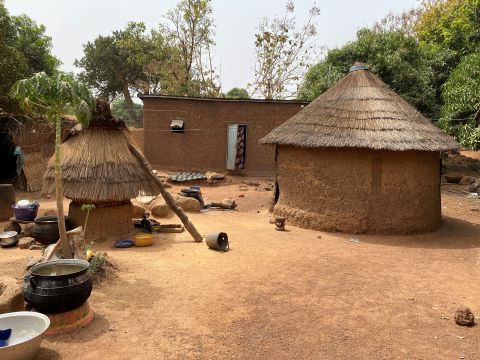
{"type": "Point", "coordinates": [298, 294]}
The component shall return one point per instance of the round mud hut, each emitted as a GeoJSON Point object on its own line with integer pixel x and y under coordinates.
{"type": "Point", "coordinates": [359, 159]}
{"type": "Point", "coordinates": [102, 165]}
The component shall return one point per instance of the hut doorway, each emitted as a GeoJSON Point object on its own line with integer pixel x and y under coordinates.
{"type": "Point", "coordinates": [8, 168]}
{"type": "Point", "coordinates": [236, 146]}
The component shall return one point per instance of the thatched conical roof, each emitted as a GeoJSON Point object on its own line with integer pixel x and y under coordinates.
{"type": "Point", "coordinates": [361, 111]}
{"type": "Point", "coordinates": [98, 164]}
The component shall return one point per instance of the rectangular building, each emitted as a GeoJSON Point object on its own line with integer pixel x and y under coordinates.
{"type": "Point", "coordinates": [202, 134]}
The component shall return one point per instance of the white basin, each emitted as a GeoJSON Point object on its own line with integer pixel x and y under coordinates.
{"type": "Point", "coordinates": [27, 329]}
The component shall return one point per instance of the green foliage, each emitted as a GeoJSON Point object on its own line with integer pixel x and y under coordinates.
{"type": "Point", "coordinates": [119, 110]}
{"type": "Point", "coordinates": [24, 50]}
{"type": "Point", "coordinates": [97, 262]}
{"type": "Point", "coordinates": [461, 92]}
{"type": "Point", "coordinates": [112, 64]}
{"type": "Point", "coordinates": [173, 59]}
{"type": "Point", "coordinates": [54, 96]}
{"type": "Point", "coordinates": [467, 134]}
{"type": "Point", "coordinates": [87, 207]}
{"type": "Point", "coordinates": [237, 93]}
{"type": "Point", "coordinates": [452, 25]}
{"type": "Point", "coordinates": [394, 56]}
{"type": "Point", "coordinates": [318, 79]}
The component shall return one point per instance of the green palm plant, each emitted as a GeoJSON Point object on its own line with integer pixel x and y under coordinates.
{"type": "Point", "coordinates": [54, 96]}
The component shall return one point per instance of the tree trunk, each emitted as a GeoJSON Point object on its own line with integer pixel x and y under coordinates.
{"type": "Point", "coordinates": [66, 251]}
{"type": "Point", "coordinates": [129, 106]}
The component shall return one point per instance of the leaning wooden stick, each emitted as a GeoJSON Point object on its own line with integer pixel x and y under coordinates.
{"type": "Point", "coordinates": [169, 199]}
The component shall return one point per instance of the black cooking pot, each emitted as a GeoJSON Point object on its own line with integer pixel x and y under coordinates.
{"type": "Point", "coordinates": [45, 230]}
{"type": "Point", "coordinates": [58, 286]}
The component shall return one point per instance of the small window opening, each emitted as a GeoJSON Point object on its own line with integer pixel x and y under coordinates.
{"type": "Point", "coordinates": [177, 126]}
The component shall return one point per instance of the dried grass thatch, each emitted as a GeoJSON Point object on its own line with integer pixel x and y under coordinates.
{"type": "Point", "coordinates": [361, 111]}
{"type": "Point", "coordinates": [98, 165]}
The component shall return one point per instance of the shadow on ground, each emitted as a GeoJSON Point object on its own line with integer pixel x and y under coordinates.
{"type": "Point", "coordinates": [452, 234]}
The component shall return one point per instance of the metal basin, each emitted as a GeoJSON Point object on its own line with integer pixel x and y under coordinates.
{"type": "Point", "coordinates": [27, 329]}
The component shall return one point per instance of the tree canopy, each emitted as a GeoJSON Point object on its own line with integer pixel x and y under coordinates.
{"type": "Point", "coordinates": [428, 55]}
{"type": "Point", "coordinates": [461, 92]}
{"type": "Point", "coordinates": [394, 56]}
{"type": "Point", "coordinates": [24, 50]}
{"type": "Point", "coordinates": [237, 93]}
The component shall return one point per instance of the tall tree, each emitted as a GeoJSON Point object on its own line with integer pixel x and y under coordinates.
{"type": "Point", "coordinates": [53, 97]}
{"type": "Point", "coordinates": [131, 60]}
{"type": "Point", "coordinates": [24, 50]}
{"type": "Point", "coordinates": [283, 54]}
{"type": "Point", "coordinates": [109, 66]}
{"type": "Point", "coordinates": [193, 29]}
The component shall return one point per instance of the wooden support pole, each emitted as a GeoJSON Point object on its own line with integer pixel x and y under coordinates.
{"type": "Point", "coordinates": [169, 199]}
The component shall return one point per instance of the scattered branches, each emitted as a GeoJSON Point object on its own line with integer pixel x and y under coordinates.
{"type": "Point", "coordinates": [283, 54]}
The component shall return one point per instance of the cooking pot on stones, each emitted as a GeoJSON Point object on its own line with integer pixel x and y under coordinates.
{"type": "Point", "coordinates": [45, 230]}
{"type": "Point", "coordinates": [57, 286]}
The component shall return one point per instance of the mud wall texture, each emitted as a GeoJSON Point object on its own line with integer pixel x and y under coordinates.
{"type": "Point", "coordinates": [203, 145]}
{"type": "Point", "coordinates": [359, 190]}
{"type": "Point", "coordinates": [104, 223]}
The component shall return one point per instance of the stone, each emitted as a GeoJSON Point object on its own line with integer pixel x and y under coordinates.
{"type": "Point", "coordinates": [138, 210]}
{"type": "Point", "coordinates": [27, 230]}
{"type": "Point", "coordinates": [26, 242]}
{"type": "Point", "coordinates": [32, 261]}
{"type": "Point", "coordinates": [188, 204]}
{"type": "Point", "coordinates": [36, 247]}
{"type": "Point", "coordinates": [475, 187]}
{"type": "Point", "coordinates": [11, 297]}
{"type": "Point", "coordinates": [160, 210]}
{"type": "Point", "coordinates": [229, 203]}
{"type": "Point", "coordinates": [466, 180]}
{"type": "Point", "coordinates": [464, 317]}
{"type": "Point", "coordinates": [12, 226]}
{"type": "Point", "coordinates": [453, 178]}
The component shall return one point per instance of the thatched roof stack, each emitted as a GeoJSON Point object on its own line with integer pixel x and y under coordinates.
{"type": "Point", "coordinates": [98, 164]}
{"type": "Point", "coordinates": [361, 111]}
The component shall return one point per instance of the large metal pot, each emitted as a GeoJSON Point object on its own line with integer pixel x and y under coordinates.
{"type": "Point", "coordinates": [45, 230]}
{"type": "Point", "coordinates": [58, 286]}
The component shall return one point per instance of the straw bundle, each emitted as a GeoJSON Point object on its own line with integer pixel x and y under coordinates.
{"type": "Point", "coordinates": [360, 111]}
{"type": "Point", "coordinates": [99, 166]}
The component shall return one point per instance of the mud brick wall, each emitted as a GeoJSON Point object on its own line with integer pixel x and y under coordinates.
{"type": "Point", "coordinates": [203, 145]}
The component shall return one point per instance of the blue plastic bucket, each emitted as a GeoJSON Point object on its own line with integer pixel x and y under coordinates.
{"type": "Point", "coordinates": [25, 214]}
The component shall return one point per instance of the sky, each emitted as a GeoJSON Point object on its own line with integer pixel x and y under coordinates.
{"type": "Point", "coordinates": [72, 23]}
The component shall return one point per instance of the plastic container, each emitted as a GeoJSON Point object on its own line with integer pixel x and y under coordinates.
{"type": "Point", "coordinates": [26, 214]}
{"type": "Point", "coordinates": [218, 241]}
{"type": "Point", "coordinates": [143, 240]}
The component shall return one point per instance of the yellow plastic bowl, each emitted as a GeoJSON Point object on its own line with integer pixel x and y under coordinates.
{"type": "Point", "coordinates": [143, 240]}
